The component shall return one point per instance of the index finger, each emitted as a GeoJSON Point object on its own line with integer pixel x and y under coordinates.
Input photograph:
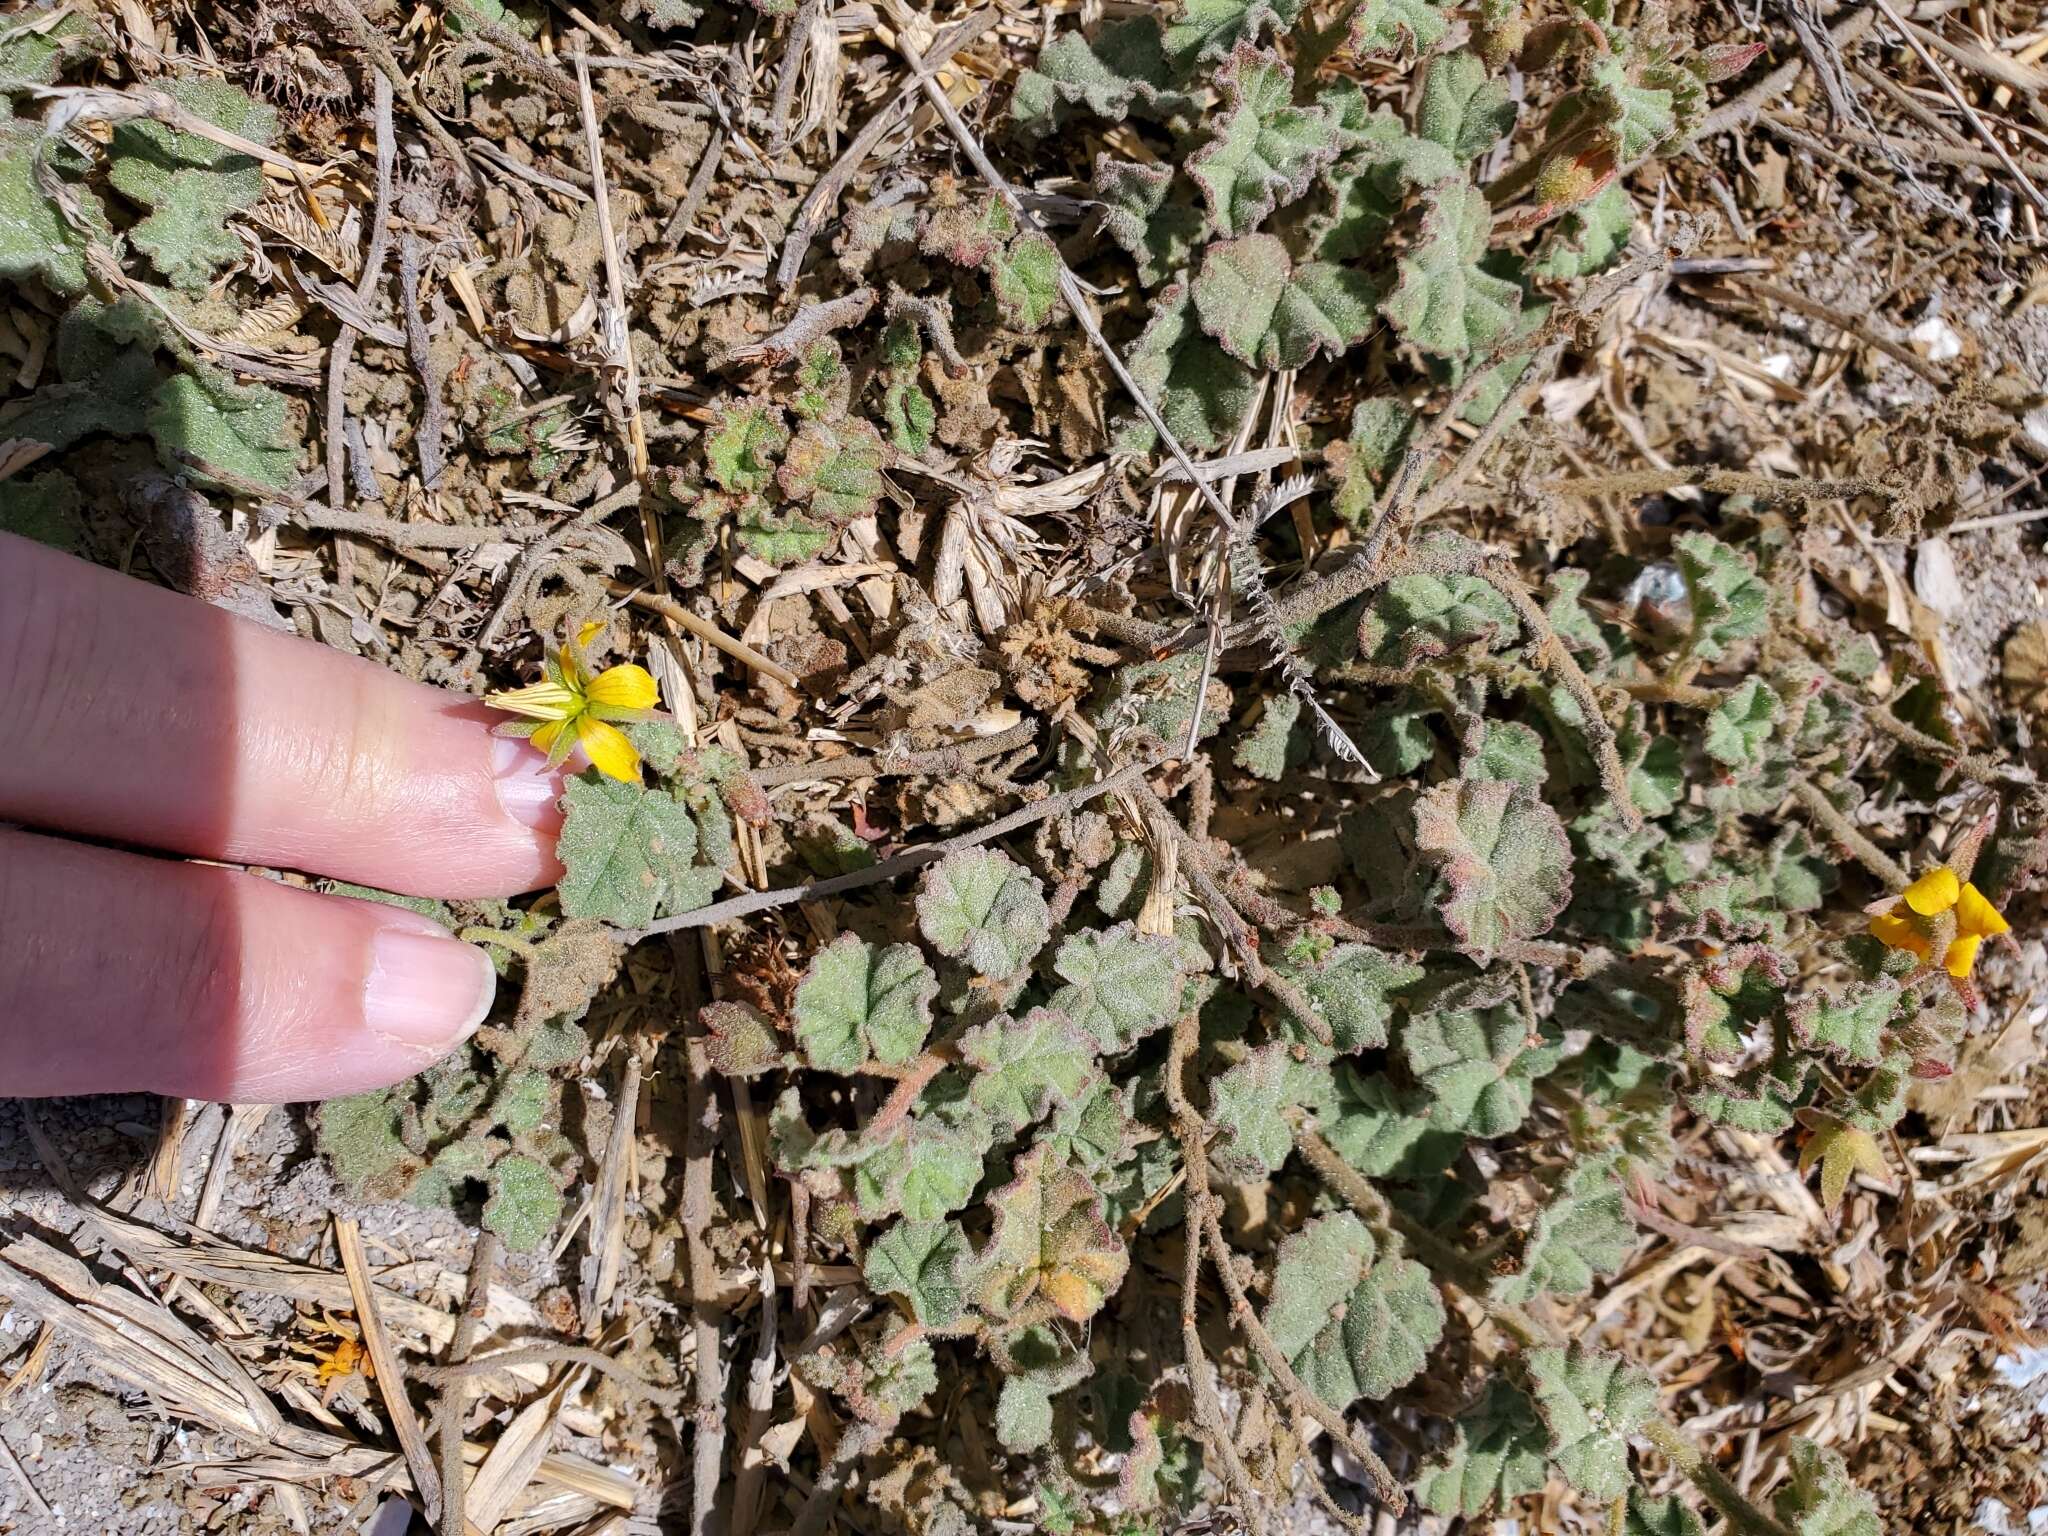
{"type": "Point", "coordinates": [149, 718]}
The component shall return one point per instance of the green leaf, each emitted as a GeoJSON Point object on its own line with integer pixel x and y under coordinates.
{"type": "Point", "coordinates": [239, 428]}
{"type": "Point", "coordinates": [742, 444]}
{"type": "Point", "coordinates": [1850, 1026]}
{"type": "Point", "coordinates": [1394, 26]}
{"type": "Point", "coordinates": [1124, 66]}
{"type": "Point", "coordinates": [36, 241]}
{"type": "Point", "coordinates": [1202, 30]}
{"type": "Point", "coordinates": [1842, 1150]}
{"type": "Point", "coordinates": [1416, 617]}
{"type": "Point", "coordinates": [1759, 1098]}
{"type": "Point", "coordinates": [1820, 1500]}
{"type": "Point", "coordinates": [1651, 1516]}
{"type": "Point", "coordinates": [1729, 603]}
{"type": "Point", "coordinates": [1049, 1242]}
{"type": "Point", "coordinates": [1498, 1454]}
{"type": "Point", "coordinates": [835, 468]}
{"type": "Point", "coordinates": [1201, 392]}
{"type": "Point", "coordinates": [1728, 995]}
{"type": "Point", "coordinates": [1478, 1067]}
{"type": "Point", "coordinates": [924, 1262]}
{"type": "Point", "coordinates": [1463, 108]}
{"type": "Point", "coordinates": [1023, 1415]}
{"type": "Point", "coordinates": [191, 184]}
{"type": "Point", "coordinates": [1025, 277]}
{"type": "Point", "coordinates": [1264, 151]}
{"type": "Point", "coordinates": [898, 1378]}
{"type": "Point", "coordinates": [780, 538]}
{"type": "Point", "coordinates": [625, 850]}
{"type": "Point", "coordinates": [1380, 432]}
{"type": "Point", "coordinates": [1445, 302]}
{"type": "Point", "coordinates": [982, 906]}
{"type": "Point", "coordinates": [360, 1136]}
{"type": "Point", "coordinates": [1381, 165]}
{"type": "Point", "coordinates": [1269, 313]}
{"type": "Point", "coordinates": [1274, 744]}
{"type": "Point", "coordinates": [1158, 233]}
{"type": "Point", "coordinates": [524, 1101]}
{"type": "Point", "coordinates": [1348, 987]}
{"type": "Point", "coordinates": [858, 1000]}
{"type": "Point", "coordinates": [1740, 726]}
{"type": "Point", "coordinates": [1589, 238]}
{"type": "Point", "coordinates": [1352, 1322]}
{"type": "Point", "coordinates": [1026, 1065]}
{"type": "Point", "coordinates": [1502, 859]}
{"type": "Point", "coordinates": [1510, 753]}
{"type": "Point", "coordinates": [43, 507]}
{"type": "Point", "coordinates": [1120, 984]}
{"type": "Point", "coordinates": [1583, 1232]}
{"type": "Point", "coordinates": [34, 54]}
{"type": "Point", "coordinates": [1248, 1105]}
{"type": "Point", "coordinates": [1396, 738]}
{"type": "Point", "coordinates": [1093, 1131]}
{"type": "Point", "coordinates": [525, 1205]}
{"type": "Point", "coordinates": [1591, 1402]}
{"type": "Point", "coordinates": [1641, 118]}
{"type": "Point", "coordinates": [738, 1041]}
{"type": "Point", "coordinates": [1369, 1124]}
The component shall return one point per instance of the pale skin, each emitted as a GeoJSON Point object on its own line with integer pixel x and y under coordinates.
{"type": "Point", "coordinates": [150, 732]}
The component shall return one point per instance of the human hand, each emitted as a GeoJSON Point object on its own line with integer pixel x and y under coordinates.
{"type": "Point", "coordinates": [144, 718]}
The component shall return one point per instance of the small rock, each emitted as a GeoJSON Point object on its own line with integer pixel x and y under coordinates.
{"type": "Point", "coordinates": [1935, 581]}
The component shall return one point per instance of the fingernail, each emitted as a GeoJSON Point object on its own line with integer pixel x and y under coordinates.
{"type": "Point", "coordinates": [527, 791]}
{"type": "Point", "coordinates": [427, 990]}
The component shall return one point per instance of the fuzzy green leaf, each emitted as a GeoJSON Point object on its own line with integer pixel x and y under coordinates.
{"type": "Point", "coordinates": [982, 906]}
{"type": "Point", "coordinates": [1027, 1065]}
{"type": "Point", "coordinates": [1160, 234]}
{"type": "Point", "coordinates": [1729, 602]}
{"type": "Point", "coordinates": [1025, 277]}
{"type": "Point", "coordinates": [1049, 1241]}
{"type": "Point", "coordinates": [1264, 150]}
{"type": "Point", "coordinates": [1367, 1122]}
{"type": "Point", "coordinates": [1591, 1402]}
{"type": "Point", "coordinates": [898, 1379]}
{"type": "Point", "coordinates": [1820, 1500]}
{"type": "Point", "coordinates": [1201, 392]}
{"type": "Point", "coordinates": [1275, 743]}
{"type": "Point", "coordinates": [1023, 1415]}
{"type": "Point", "coordinates": [35, 54]}
{"type": "Point", "coordinates": [1445, 303]}
{"type": "Point", "coordinates": [1502, 859]}
{"type": "Point", "coordinates": [1093, 1131]}
{"type": "Point", "coordinates": [191, 184]}
{"type": "Point", "coordinates": [1478, 1067]}
{"type": "Point", "coordinates": [1463, 108]}
{"type": "Point", "coordinates": [1351, 1322]}
{"type": "Point", "coordinates": [835, 468]}
{"type": "Point", "coordinates": [1641, 118]}
{"type": "Point", "coordinates": [1120, 984]}
{"type": "Point", "coordinates": [525, 1205]}
{"type": "Point", "coordinates": [1248, 1105]}
{"type": "Point", "coordinates": [859, 1001]}
{"type": "Point", "coordinates": [1381, 166]}
{"type": "Point", "coordinates": [1124, 66]}
{"type": "Point", "coordinates": [1349, 987]}
{"type": "Point", "coordinates": [35, 238]}
{"type": "Point", "coordinates": [1509, 752]}
{"type": "Point", "coordinates": [360, 1136]}
{"type": "Point", "coordinates": [1667, 1516]}
{"type": "Point", "coordinates": [239, 428]}
{"type": "Point", "coordinates": [1498, 1454]}
{"type": "Point", "coordinates": [1582, 1233]}
{"type": "Point", "coordinates": [1740, 726]}
{"type": "Point", "coordinates": [1269, 313]}
{"type": "Point", "coordinates": [1852, 1025]}
{"type": "Point", "coordinates": [1202, 30]}
{"type": "Point", "coordinates": [43, 507]}
{"type": "Point", "coordinates": [742, 444]}
{"type": "Point", "coordinates": [625, 851]}
{"type": "Point", "coordinates": [924, 1262]}
{"type": "Point", "coordinates": [1759, 1098]}
{"type": "Point", "coordinates": [1380, 430]}
{"type": "Point", "coordinates": [1420, 616]}
{"type": "Point", "coordinates": [1588, 239]}
{"type": "Point", "coordinates": [1393, 26]}
{"type": "Point", "coordinates": [780, 538]}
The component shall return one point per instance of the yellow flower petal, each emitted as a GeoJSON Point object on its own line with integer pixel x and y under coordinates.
{"type": "Point", "coordinates": [1895, 930]}
{"type": "Point", "coordinates": [608, 750]}
{"type": "Point", "coordinates": [1976, 917]}
{"type": "Point", "coordinates": [1934, 891]}
{"type": "Point", "coordinates": [589, 632]}
{"type": "Point", "coordinates": [1962, 954]}
{"type": "Point", "coordinates": [558, 739]}
{"type": "Point", "coordinates": [539, 701]}
{"type": "Point", "coordinates": [624, 687]}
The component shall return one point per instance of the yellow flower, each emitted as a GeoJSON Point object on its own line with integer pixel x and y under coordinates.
{"type": "Point", "coordinates": [1909, 925]}
{"type": "Point", "coordinates": [574, 708]}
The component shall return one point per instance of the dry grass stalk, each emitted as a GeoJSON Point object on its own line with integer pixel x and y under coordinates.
{"type": "Point", "coordinates": [405, 1424]}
